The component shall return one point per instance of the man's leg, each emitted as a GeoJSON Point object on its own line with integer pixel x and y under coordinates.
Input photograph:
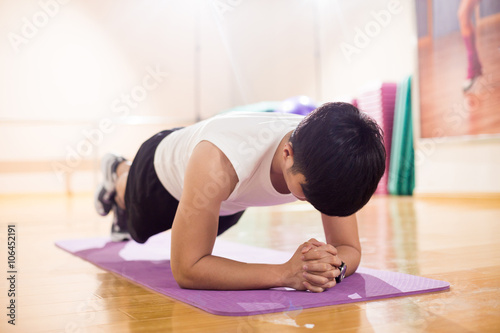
{"type": "Point", "coordinates": [467, 30]}
{"type": "Point", "coordinates": [141, 205]}
{"type": "Point", "coordinates": [115, 171]}
{"type": "Point", "coordinates": [105, 193]}
{"type": "Point", "coordinates": [119, 230]}
{"type": "Point", "coordinates": [121, 183]}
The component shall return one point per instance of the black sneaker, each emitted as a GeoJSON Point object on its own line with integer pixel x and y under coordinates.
{"type": "Point", "coordinates": [119, 230]}
{"type": "Point", "coordinates": [105, 193]}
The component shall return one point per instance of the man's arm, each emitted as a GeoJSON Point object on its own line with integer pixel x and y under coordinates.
{"type": "Point", "coordinates": [342, 233]}
{"type": "Point", "coordinates": [209, 180]}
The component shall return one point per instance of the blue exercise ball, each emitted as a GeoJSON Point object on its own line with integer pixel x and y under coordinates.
{"type": "Point", "coordinates": [301, 105]}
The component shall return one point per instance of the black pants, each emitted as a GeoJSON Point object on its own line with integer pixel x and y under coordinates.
{"type": "Point", "coordinates": [150, 207]}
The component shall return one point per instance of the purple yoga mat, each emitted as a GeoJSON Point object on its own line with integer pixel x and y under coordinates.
{"type": "Point", "coordinates": [148, 264]}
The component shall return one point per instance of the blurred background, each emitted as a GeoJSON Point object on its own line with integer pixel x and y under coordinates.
{"type": "Point", "coordinates": [81, 78]}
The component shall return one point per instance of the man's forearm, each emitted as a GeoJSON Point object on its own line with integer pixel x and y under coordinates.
{"type": "Point", "coordinates": [351, 256]}
{"type": "Point", "coordinates": [212, 272]}
{"type": "Point", "coordinates": [342, 233]}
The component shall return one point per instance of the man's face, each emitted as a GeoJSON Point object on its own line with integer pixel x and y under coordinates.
{"type": "Point", "coordinates": [293, 182]}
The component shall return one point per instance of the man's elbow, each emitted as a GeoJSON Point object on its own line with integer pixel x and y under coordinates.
{"type": "Point", "coordinates": [183, 282]}
{"type": "Point", "coordinates": [183, 276]}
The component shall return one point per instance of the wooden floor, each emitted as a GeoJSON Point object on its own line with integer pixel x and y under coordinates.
{"type": "Point", "coordinates": [454, 240]}
{"type": "Point", "coordinates": [445, 110]}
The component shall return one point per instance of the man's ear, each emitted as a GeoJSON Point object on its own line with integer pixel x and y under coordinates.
{"type": "Point", "coordinates": [288, 150]}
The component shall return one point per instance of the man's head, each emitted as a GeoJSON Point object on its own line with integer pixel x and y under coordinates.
{"type": "Point", "coordinates": [341, 155]}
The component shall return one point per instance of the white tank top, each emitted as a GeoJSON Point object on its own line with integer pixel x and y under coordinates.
{"type": "Point", "coordinates": [248, 139]}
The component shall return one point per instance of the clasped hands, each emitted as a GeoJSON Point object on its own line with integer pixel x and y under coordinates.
{"type": "Point", "coordinates": [313, 267]}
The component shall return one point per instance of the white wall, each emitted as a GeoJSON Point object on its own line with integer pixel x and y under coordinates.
{"type": "Point", "coordinates": [364, 41]}
{"type": "Point", "coordinates": [458, 168]}
{"type": "Point", "coordinates": [66, 66]}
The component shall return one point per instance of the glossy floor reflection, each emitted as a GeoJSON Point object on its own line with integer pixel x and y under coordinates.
{"type": "Point", "coordinates": [452, 240]}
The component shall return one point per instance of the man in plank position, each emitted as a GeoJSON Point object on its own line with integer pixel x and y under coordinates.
{"type": "Point", "coordinates": [198, 181]}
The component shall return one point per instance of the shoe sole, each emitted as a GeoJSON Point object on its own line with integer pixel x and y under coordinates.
{"type": "Point", "coordinates": [120, 237]}
{"type": "Point", "coordinates": [108, 183]}
{"type": "Point", "coordinates": [101, 207]}
{"type": "Point", "coordinates": [106, 168]}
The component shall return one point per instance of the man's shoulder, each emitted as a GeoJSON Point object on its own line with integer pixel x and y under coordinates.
{"type": "Point", "coordinates": [213, 165]}
{"type": "Point", "coordinates": [256, 115]}
{"type": "Point", "coordinates": [249, 121]}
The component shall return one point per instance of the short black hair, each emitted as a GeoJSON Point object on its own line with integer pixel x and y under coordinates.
{"type": "Point", "coordinates": [340, 151]}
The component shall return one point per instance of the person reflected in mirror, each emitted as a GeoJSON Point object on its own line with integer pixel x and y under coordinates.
{"type": "Point", "coordinates": [467, 29]}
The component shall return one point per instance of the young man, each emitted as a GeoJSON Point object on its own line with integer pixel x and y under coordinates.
{"type": "Point", "coordinates": [199, 180]}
